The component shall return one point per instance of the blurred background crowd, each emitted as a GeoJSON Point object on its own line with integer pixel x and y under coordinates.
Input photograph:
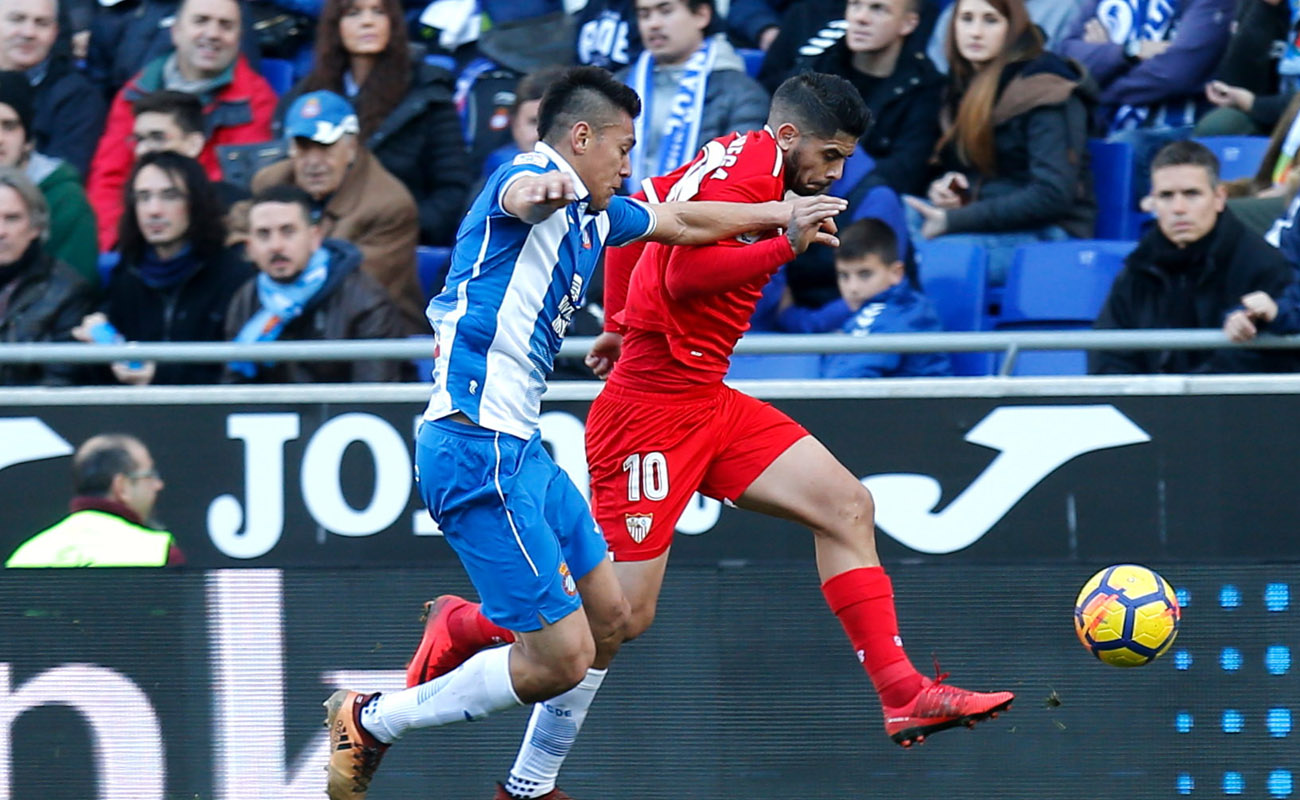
{"type": "Point", "coordinates": [206, 170]}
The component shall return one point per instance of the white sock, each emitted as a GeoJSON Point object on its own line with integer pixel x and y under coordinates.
{"type": "Point", "coordinates": [551, 733]}
{"type": "Point", "coordinates": [472, 691]}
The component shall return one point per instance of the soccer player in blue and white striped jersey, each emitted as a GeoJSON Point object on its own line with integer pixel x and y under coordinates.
{"type": "Point", "coordinates": [523, 258]}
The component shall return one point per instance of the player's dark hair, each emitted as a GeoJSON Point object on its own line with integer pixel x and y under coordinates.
{"type": "Point", "coordinates": [285, 193]}
{"type": "Point", "coordinates": [1187, 152]}
{"type": "Point", "coordinates": [820, 105]}
{"type": "Point", "coordinates": [94, 467]}
{"type": "Point", "coordinates": [185, 109]}
{"type": "Point", "coordinates": [207, 231]}
{"type": "Point", "coordinates": [584, 94]}
{"type": "Point", "coordinates": [868, 237]}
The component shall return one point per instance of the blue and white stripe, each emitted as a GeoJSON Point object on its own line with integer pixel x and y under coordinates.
{"type": "Point", "coordinates": [511, 292]}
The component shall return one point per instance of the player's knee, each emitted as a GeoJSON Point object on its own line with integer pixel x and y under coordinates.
{"type": "Point", "coordinates": [852, 515]}
{"type": "Point", "coordinates": [564, 673]}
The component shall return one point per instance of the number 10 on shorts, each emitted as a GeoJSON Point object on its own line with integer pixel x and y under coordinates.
{"type": "Point", "coordinates": [646, 475]}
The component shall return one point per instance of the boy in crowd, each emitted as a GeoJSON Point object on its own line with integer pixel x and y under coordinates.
{"type": "Point", "coordinates": [875, 297]}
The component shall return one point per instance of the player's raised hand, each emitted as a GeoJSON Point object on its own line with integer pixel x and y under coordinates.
{"type": "Point", "coordinates": [604, 352]}
{"type": "Point", "coordinates": [535, 197]}
{"type": "Point", "coordinates": [812, 220]}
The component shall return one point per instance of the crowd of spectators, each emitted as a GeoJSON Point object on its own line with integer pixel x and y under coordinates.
{"type": "Point", "coordinates": [155, 186]}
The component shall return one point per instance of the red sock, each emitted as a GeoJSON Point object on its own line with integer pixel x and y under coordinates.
{"type": "Point", "coordinates": [468, 627]}
{"type": "Point", "coordinates": [863, 599]}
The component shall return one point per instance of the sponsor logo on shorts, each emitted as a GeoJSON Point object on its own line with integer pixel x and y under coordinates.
{"type": "Point", "coordinates": [638, 526]}
{"type": "Point", "coordinates": [570, 585]}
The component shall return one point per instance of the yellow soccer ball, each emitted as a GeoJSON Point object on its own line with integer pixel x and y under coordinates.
{"type": "Point", "coordinates": [1127, 615]}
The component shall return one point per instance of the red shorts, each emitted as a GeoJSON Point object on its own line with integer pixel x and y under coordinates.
{"type": "Point", "coordinates": [648, 453]}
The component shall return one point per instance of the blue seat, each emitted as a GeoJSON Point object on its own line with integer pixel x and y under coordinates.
{"type": "Point", "coordinates": [1112, 180]}
{"type": "Point", "coordinates": [107, 263]}
{"type": "Point", "coordinates": [953, 275]}
{"type": "Point", "coordinates": [1058, 286]}
{"type": "Point", "coordinates": [789, 366]}
{"type": "Point", "coordinates": [1239, 156]}
{"type": "Point", "coordinates": [432, 264]}
{"type": "Point", "coordinates": [279, 73]}
{"type": "Point", "coordinates": [1060, 282]}
{"type": "Point", "coordinates": [753, 59]}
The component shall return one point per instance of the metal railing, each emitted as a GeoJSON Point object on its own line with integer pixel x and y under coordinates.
{"type": "Point", "coordinates": [1009, 343]}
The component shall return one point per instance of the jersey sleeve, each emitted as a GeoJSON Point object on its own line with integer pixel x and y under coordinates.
{"type": "Point", "coordinates": [629, 220]}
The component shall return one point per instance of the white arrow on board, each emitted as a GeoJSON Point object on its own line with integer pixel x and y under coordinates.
{"type": "Point", "coordinates": [1032, 442]}
{"type": "Point", "coordinates": [24, 439]}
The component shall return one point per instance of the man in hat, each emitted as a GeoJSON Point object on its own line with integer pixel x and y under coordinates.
{"type": "Point", "coordinates": [353, 197]}
{"type": "Point", "coordinates": [72, 222]}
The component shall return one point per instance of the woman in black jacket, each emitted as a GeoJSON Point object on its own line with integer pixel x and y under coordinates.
{"type": "Point", "coordinates": [1011, 163]}
{"type": "Point", "coordinates": [407, 114]}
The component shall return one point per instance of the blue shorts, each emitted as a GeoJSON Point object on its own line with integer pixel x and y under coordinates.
{"type": "Point", "coordinates": [521, 528]}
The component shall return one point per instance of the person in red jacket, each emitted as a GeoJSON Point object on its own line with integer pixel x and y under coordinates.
{"type": "Point", "coordinates": [237, 102]}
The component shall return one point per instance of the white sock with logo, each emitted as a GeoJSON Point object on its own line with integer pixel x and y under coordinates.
{"type": "Point", "coordinates": [472, 691]}
{"type": "Point", "coordinates": [550, 736]}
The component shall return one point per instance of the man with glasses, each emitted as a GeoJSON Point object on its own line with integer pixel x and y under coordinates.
{"type": "Point", "coordinates": [175, 275]}
{"type": "Point", "coordinates": [117, 486]}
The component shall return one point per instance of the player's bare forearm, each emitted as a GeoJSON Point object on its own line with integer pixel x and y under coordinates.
{"type": "Point", "coordinates": [703, 222]}
{"type": "Point", "coordinates": [533, 198]}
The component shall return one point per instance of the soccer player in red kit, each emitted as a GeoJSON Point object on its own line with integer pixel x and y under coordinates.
{"type": "Point", "coordinates": [666, 426]}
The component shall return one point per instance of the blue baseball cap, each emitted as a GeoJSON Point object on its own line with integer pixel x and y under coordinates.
{"type": "Point", "coordinates": [321, 116]}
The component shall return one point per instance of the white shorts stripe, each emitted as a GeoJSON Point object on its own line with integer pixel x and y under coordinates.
{"type": "Point", "coordinates": [496, 479]}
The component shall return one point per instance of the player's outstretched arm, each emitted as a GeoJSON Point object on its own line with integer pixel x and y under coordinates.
{"type": "Point", "coordinates": [533, 198]}
{"type": "Point", "coordinates": [704, 222]}
{"type": "Point", "coordinates": [694, 271]}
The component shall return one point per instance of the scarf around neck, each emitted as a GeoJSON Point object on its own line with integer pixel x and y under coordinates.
{"type": "Point", "coordinates": [281, 303]}
{"type": "Point", "coordinates": [681, 131]}
{"type": "Point", "coordinates": [158, 273]}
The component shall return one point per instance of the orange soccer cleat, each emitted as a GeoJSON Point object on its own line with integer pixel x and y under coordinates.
{"type": "Point", "coordinates": [939, 706]}
{"type": "Point", "coordinates": [354, 753]}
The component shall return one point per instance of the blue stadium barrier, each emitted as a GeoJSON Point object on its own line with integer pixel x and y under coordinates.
{"type": "Point", "coordinates": [1058, 286]}
{"type": "Point", "coordinates": [432, 264]}
{"type": "Point", "coordinates": [792, 366]}
{"type": "Point", "coordinates": [1112, 174]}
{"type": "Point", "coordinates": [279, 73]}
{"type": "Point", "coordinates": [107, 263]}
{"type": "Point", "coordinates": [954, 277]}
{"type": "Point", "coordinates": [753, 59]}
{"type": "Point", "coordinates": [1239, 156]}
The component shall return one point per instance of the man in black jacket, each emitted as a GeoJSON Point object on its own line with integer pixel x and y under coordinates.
{"type": "Point", "coordinates": [41, 299]}
{"type": "Point", "coordinates": [902, 89]}
{"type": "Point", "coordinates": [69, 113]}
{"type": "Point", "coordinates": [175, 277]}
{"type": "Point", "coordinates": [1190, 271]}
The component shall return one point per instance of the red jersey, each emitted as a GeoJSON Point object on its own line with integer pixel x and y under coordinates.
{"type": "Point", "coordinates": [675, 335]}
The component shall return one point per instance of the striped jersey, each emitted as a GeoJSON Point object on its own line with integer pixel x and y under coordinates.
{"type": "Point", "coordinates": [511, 293]}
